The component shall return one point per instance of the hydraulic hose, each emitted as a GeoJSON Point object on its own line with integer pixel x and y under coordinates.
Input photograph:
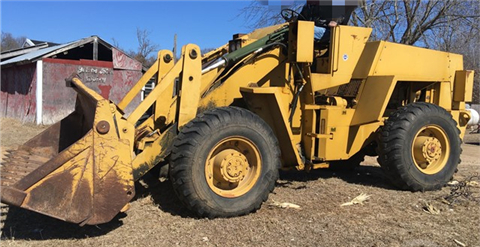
{"type": "Point", "coordinates": [258, 46]}
{"type": "Point", "coordinates": [295, 99]}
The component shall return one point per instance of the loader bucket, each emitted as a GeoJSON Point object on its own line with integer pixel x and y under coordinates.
{"type": "Point", "coordinates": [78, 170]}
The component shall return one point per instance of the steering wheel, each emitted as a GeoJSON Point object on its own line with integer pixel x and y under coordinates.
{"type": "Point", "coordinates": [290, 15]}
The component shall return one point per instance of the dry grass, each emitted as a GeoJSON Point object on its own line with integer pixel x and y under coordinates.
{"type": "Point", "coordinates": [156, 218]}
{"type": "Point", "coordinates": [11, 135]}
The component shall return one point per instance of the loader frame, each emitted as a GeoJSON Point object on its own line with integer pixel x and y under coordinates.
{"type": "Point", "coordinates": [322, 106]}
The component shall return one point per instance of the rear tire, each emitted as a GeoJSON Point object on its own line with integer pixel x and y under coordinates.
{"type": "Point", "coordinates": [224, 163]}
{"type": "Point", "coordinates": [420, 147]}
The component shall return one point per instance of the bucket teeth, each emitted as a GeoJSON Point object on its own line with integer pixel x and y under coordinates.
{"type": "Point", "coordinates": [19, 163]}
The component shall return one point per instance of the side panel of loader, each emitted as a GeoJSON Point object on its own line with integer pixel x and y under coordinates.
{"type": "Point", "coordinates": [441, 74]}
{"type": "Point", "coordinates": [373, 98]}
{"type": "Point", "coordinates": [379, 68]}
{"type": "Point", "coordinates": [271, 104]}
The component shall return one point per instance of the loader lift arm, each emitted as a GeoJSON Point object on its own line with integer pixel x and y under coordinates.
{"type": "Point", "coordinates": [110, 152]}
{"type": "Point", "coordinates": [67, 176]}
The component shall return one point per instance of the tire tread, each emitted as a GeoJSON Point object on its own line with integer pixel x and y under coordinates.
{"type": "Point", "coordinates": [185, 147]}
{"type": "Point", "coordinates": [394, 131]}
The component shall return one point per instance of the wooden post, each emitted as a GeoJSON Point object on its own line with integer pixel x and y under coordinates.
{"type": "Point", "coordinates": [175, 48]}
{"type": "Point", "coordinates": [95, 48]}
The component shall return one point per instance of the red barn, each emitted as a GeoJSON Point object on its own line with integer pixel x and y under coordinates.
{"type": "Point", "coordinates": [33, 77]}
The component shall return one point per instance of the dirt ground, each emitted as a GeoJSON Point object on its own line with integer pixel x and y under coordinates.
{"type": "Point", "coordinates": [388, 218]}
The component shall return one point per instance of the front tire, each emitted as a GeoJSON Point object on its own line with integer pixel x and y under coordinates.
{"type": "Point", "coordinates": [224, 163]}
{"type": "Point", "coordinates": [420, 147]}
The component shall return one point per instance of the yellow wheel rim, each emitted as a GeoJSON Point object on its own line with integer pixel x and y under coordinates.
{"type": "Point", "coordinates": [233, 167]}
{"type": "Point", "coordinates": [430, 149]}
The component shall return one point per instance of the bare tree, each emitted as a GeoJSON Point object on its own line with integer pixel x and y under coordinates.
{"type": "Point", "coordinates": [461, 36]}
{"type": "Point", "coordinates": [448, 25]}
{"type": "Point", "coordinates": [262, 14]}
{"type": "Point", "coordinates": [206, 50]}
{"type": "Point", "coordinates": [116, 44]}
{"type": "Point", "coordinates": [402, 21]}
{"type": "Point", "coordinates": [9, 42]}
{"type": "Point", "coordinates": [415, 21]}
{"type": "Point", "coordinates": [146, 50]}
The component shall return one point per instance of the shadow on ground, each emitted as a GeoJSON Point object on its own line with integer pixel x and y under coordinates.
{"type": "Point", "coordinates": [472, 143]}
{"type": "Point", "coordinates": [23, 224]}
{"type": "Point", "coordinates": [362, 175]}
{"type": "Point", "coordinates": [162, 194]}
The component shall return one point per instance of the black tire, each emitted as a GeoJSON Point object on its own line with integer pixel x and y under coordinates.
{"type": "Point", "coordinates": [195, 152]}
{"type": "Point", "coordinates": [420, 147]}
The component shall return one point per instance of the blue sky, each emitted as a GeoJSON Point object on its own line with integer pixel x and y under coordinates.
{"type": "Point", "coordinates": [207, 23]}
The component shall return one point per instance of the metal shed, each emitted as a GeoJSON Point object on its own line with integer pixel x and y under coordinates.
{"type": "Point", "coordinates": [33, 78]}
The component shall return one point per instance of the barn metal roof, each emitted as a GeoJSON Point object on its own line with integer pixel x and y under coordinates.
{"type": "Point", "coordinates": [34, 55]}
{"type": "Point", "coordinates": [20, 51]}
{"type": "Point", "coordinates": [51, 51]}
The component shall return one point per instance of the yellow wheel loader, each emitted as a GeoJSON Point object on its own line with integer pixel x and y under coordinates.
{"type": "Point", "coordinates": [224, 123]}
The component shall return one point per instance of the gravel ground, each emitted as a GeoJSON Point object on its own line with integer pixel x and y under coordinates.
{"type": "Point", "coordinates": [388, 218]}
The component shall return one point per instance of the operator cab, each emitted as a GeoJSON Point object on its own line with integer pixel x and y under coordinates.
{"type": "Point", "coordinates": [332, 64]}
